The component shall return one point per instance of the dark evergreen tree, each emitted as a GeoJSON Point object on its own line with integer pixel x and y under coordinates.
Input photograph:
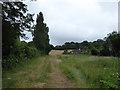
{"type": "Point", "coordinates": [41, 38]}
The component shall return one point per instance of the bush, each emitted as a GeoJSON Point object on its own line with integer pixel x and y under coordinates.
{"type": "Point", "coordinates": [111, 81]}
{"type": "Point", "coordinates": [94, 52]}
{"type": "Point", "coordinates": [65, 51]}
{"type": "Point", "coordinates": [21, 53]}
{"type": "Point", "coordinates": [104, 52]}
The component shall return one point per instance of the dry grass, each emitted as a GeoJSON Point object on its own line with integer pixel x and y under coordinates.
{"type": "Point", "coordinates": [56, 52]}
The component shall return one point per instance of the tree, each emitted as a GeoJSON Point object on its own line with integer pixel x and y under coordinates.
{"type": "Point", "coordinates": [51, 47]}
{"type": "Point", "coordinates": [41, 37]}
{"type": "Point", "coordinates": [94, 52]}
{"type": "Point", "coordinates": [113, 41]}
{"type": "Point", "coordinates": [15, 20]}
{"type": "Point", "coordinates": [111, 45]}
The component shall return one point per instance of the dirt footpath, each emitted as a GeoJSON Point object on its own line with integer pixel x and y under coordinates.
{"type": "Point", "coordinates": [56, 78]}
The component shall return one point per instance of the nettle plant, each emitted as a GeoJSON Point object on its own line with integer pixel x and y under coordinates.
{"type": "Point", "coordinates": [112, 81]}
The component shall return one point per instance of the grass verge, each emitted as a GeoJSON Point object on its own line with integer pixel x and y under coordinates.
{"type": "Point", "coordinates": [28, 74]}
{"type": "Point", "coordinates": [97, 72]}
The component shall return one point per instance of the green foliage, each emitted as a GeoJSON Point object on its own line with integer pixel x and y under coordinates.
{"type": "Point", "coordinates": [112, 81]}
{"type": "Point", "coordinates": [65, 51]}
{"type": "Point", "coordinates": [85, 46]}
{"type": "Point", "coordinates": [104, 52]}
{"type": "Point", "coordinates": [31, 44]}
{"type": "Point", "coordinates": [41, 38]}
{"type": "Point", "coordinates": [94, 52]}
{"type": "Point", "coordinates": [71, 73]}
{"type": "Point", "coordinates": [99, 72]}
{"type": "Point", "coordinates": [21, 53]}
{"type": "Point", "coordinates": [113, 40]}
{"type": "Point", "coordinates": [9, 82]}
{"type": "Point", "coordinates": [110, 46]}
{"type": "Point", "coordinates": [51, 47]}
{"type": "Point", "coordinates": [8, 39]}
{"type": "Point", "coordinates": [15, 20]}
{"type": "Point", "coordinates": [68, 45]}
{"type": "Point", "coordinates": [13, 77]}
{"type": "Point", "coordinates": [27, 74]}
{"type": "Point", "coordinates": [45, 71]}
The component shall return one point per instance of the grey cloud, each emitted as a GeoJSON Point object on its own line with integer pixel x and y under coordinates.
{"type": "Point", "coordinates": [75, 21]}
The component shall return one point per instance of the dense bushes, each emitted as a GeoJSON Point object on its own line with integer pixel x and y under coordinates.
{"type": "Point", "coordinates": [16, 20]}
{"type": "Point", "coordinates": [112, 45]}
{"type": "Point", "coordinates": [94, 52]}
{"type": "Point", "coordinates": [104, 52]}
{"type": "Point", "coordinates": [21, 53]}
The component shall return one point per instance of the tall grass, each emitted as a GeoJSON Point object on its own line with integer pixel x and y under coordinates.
{"type": "Point", "coordinates": [98, 72]}
{"type": "Point", "coordinates": [27, 75]}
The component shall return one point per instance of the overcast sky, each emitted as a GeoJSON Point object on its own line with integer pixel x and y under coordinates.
{"type": "Point", "coordinates": [75, 20]}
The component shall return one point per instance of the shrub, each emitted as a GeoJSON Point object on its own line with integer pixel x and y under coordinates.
{"type": "Point", "coordinates": [94, 52]}
{"type": "Point", "coordinates": [65, 51]}
{"type": "Point", "coordinates": [111, 81]}
{"type": "Point", "coordinates": [104, 52]}
{"type": "Point", "coordinates": [21, 53]}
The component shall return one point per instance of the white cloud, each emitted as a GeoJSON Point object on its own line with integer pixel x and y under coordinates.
{"type": "Point", "coordinates": [76, 20]}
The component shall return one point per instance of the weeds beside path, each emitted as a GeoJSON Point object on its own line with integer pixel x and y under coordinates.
{"type": "Point", "coordinates": [30, 75]}
{"type": "Point", "coordinates": [64, 71]}
{"type": "Point", "coordinates": [42, 72]}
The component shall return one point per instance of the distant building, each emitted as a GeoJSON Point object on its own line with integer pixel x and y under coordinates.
{"type": "Point", "coordinates": [76, 51]}
{"type": "Point", "coordinates": [79, 51]}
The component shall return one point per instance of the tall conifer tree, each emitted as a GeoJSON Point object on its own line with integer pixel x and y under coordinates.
{"type": "Point", "coordinates": [41, 38]}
